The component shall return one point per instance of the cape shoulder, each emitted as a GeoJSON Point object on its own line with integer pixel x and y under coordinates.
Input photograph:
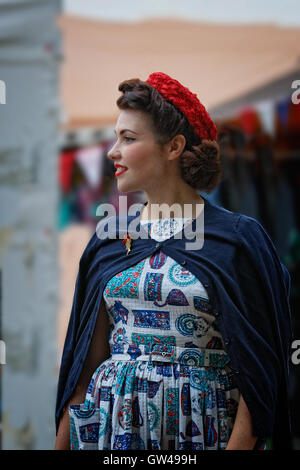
{"type": "Point", "coordinates": [256, 242]}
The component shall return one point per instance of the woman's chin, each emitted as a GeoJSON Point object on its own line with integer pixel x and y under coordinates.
{"type": "Point", "coordinates": [125, 188]}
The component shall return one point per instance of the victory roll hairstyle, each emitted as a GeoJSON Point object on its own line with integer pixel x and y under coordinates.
{"type": "Point", "coordinates": [200, 160]}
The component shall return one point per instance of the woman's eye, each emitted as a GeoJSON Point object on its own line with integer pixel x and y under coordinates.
{"type": "Point", "coordinates": [129, 139]}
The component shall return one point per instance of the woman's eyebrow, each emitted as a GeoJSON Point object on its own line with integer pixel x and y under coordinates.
{"type": "Point", "coordinates": [124, 130]}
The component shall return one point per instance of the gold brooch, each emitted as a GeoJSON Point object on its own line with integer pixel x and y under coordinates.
{"type": "Point", "coordinates": [127, 241]}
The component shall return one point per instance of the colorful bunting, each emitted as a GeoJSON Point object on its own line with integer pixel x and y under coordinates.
{"type": "Point", "coordinates": [249, 120]}
{"type": "Point", "coordinates": [66, 165]}
{"type": "Point", "coordinates": [90, 160]}
{"type": "Point", "coordinates": [266, 112]}
{"type": "Point", "coordinates": [282, 109]}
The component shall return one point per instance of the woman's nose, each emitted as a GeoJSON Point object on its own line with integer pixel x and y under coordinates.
{"type": "Point", "coordinates": [113, 152]}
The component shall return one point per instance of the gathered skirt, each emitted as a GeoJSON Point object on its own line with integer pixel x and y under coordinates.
{"type": "Point", "coordinates": [155, 406]}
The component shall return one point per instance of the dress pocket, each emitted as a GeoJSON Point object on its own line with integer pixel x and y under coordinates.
{"type": "Point", "coordinates": [84, 427]}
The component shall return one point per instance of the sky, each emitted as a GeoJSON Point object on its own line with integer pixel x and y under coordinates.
{"type": "Point", "coordinates": [281, 12]}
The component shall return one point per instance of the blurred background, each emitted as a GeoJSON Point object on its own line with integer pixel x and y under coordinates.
{"type": "Point", "coordinates": [60, 66]}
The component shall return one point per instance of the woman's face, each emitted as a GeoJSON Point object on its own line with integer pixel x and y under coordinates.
{"type": "Point", "coordinates": [137, 150]}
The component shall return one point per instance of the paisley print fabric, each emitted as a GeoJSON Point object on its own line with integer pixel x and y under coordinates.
{"type": "Point", "coordinates": [168, 382]}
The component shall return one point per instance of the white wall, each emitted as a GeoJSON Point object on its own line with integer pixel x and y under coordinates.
{"type": "Point", "coordinates": [30, 56]}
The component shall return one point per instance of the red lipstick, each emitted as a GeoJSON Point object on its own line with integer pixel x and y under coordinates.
{"type": "Point", "coordinates": [120, 169]}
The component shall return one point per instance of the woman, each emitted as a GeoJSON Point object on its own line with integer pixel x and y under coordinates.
{"type": "Point", "coordinates": [170, 347]}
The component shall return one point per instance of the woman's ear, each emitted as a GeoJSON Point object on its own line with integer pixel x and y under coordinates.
{"type": "Point", "coordinates": [176, 146]}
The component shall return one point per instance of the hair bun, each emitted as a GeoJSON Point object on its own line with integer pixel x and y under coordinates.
{"type": "Point", "coordinates": [201, 167]}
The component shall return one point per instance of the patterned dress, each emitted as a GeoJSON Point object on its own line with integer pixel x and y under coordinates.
{"type": "Point", "coordinates": [168, 382]}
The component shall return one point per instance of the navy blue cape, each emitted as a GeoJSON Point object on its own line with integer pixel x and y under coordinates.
{"type": "Point", "coordinates": [249, 291]}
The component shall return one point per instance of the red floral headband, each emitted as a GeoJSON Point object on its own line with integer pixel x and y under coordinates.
{"type": "Point", "coordinates": [187, 102]}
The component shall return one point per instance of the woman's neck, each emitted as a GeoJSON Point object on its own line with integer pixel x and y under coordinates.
{"type": "Point", "coordinates": [184, 209]}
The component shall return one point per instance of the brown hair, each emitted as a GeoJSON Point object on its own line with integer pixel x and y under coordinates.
{"type": "Point", "coordinates": [200, 160]}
